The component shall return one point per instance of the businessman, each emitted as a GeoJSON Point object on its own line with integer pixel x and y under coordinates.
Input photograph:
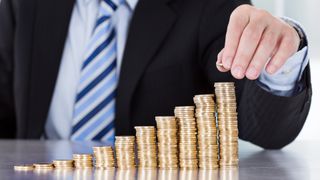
{"type": "Point", "coordinates": [92, 69]}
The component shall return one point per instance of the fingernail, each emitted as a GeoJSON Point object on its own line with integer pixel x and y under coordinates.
{"type": "Point", "coordinates": [271, 69]}
{"type": "Point", "coordinates": [237, 72]}
{"type": "Point", "coordinates": [252, 72]}
{"type": "Point", "coordinates": [228, 63]}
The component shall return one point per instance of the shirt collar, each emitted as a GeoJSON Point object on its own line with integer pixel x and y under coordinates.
{"type": "Point", "coordinates": [132, 3]}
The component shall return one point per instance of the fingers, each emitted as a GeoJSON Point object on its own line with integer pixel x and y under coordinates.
{"type": "Point", "coordinates": [238, 22]}
{"type": "Point", "coordinates": [288, 46]}
{"type": "Point", "coordinates": [253, 37]}
{"type": "Point", "coordinates": [248, 44]}
{"type": "Point", "coordinates": [263, 53]}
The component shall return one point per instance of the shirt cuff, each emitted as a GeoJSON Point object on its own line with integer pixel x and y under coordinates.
{"type": "Point", "coordinates": [284, 82]}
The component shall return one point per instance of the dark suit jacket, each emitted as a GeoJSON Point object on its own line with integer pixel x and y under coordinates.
{"type": "Point", "coordinates": [169, 57]}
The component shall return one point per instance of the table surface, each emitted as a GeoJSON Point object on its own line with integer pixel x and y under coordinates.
{"type": "Point", "coordinates": [298, 161]}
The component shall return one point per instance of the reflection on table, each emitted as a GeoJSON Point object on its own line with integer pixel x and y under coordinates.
{"type": "Point", "coordinates": [129, 174]}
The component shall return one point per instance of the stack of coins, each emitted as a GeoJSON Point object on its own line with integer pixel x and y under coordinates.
{"type": "Point", "coordinates": [207, 131]}
{"type": "Point", "coordinates": [25, 167]}
{"type": "Point", "coordinates": [82, 161]}
{"type": "Point", "coordinates": [63, 164]}
{"type": "Point", "coordinates": [228, 123]}
{"type": "Point", "coordinates": [125, 152]}
{"type": "Point", "coordinates": [167, 142]}
{"type": "Point", "coordinates": [43, 166]}
{"type": "Point", "coordinates": [187, 136]}
{"type": "Point", "coordinates": [147, 147]}
{"type": "Point", "coordinates": [104, 157]}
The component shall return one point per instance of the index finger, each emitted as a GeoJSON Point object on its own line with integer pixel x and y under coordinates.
{"type": "Point", "coordinates": [237, 23]}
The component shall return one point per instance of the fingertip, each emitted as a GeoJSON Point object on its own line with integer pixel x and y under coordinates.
{"type": "Point", "coordinates": [220, 67]}
{"type": "Point", "coordinates": [237, 72]}
{"type": "Point", "coordinates": [252, 73]}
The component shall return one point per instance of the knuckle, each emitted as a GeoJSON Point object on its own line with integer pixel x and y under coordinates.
{"type": "Point", "coordinates": [262, 18]}
{"type": "Point", "coordinates": [265, 13]}
{"type": "Point", "coordinates": [238, 13]}
{"type": "Point", "coordinates": [260, 15]}
{"type": "Point", "coordinates": [237, 18]}
{"type": "Point", "coordinates": [244, 8]}
{"type": "Point", "coordinates": [235, 15]}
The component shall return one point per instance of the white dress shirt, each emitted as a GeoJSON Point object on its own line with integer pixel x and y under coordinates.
{"type": "Point", "coordinates": [84, 16]}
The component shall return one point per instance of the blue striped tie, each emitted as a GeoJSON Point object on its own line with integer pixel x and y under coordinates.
{"type": "Point", "coordinates": [94, 109]}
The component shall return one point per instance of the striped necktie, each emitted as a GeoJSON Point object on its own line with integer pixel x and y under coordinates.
{"type": "Point", "coordinates": [94, 109]}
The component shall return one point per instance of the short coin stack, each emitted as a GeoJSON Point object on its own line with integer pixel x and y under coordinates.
{"type": "Point", "coordinates": [147, 147]}
{"type": "Point", "coordinates": [167, 142]}
{"type": "Point", "coordinates": [207, 131]}
{"type": "Point", "coordinates": [25, 167]}
{"type": "Point", "coordinates": [63, 164]}
{"type": "Point", "coordinates": [187, 136]}
{"type": "Point", "coordinates": [82, 161]}
{"type": "Point", "coordinates": [228, 123]}
{"type": "Point", "coordinates": [104, 157]}
{"type": "Point", "coordinates": [125, 153]}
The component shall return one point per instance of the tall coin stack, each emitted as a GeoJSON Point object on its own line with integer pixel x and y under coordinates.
{"type": "Point", "coordinates": [125, 154]}
{"type": "Point", "coordinates": [228, 123]}
{"type": "Point", "coordinates": [207, 131]}
{"type": "Point", "coordinates": [104, 157]}
{"type": "Point", "coordinates": [187, 135]}
{"type": "Point", "coordinates": [82, 161]}
{"type": "Point", "coordinates": [167, 142]}
{"type": "Point", "coordinates": [147, 147]}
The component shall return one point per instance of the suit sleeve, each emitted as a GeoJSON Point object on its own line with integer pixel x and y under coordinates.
{"type": "Point", "coordinates": [7, 120]}
{"type": "Point", "coordinates": [264, 119]}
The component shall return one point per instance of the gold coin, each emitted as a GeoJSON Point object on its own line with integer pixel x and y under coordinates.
{"type": "Point", "coordinates": [26, 167]}
{"type": "Point", "coordinates": [43, 166]}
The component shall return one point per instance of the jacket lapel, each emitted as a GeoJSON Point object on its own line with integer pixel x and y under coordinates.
{"type": "Point", "coordinates": [150, 24]}
{"type": "Point", "coordinates": [51, 27]}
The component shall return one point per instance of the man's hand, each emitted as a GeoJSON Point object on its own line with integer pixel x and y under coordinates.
{"type": "Point", "coordinates": [255, 40]}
